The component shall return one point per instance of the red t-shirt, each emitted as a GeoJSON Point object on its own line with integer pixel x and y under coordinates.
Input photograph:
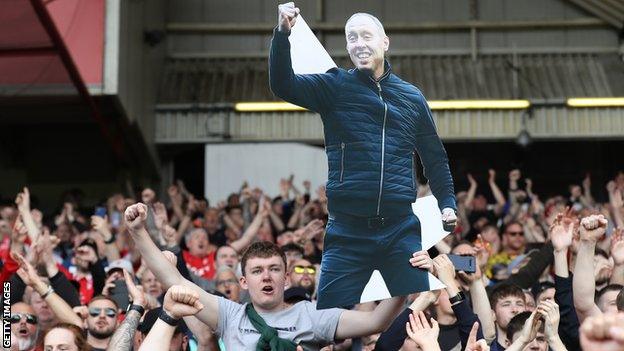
{"type": "Point", "coordinates": [201, 266]}
{"type": "Point", "coordinates": [10, 266]}
{"type": "Point", "coordinates": [86, 290]}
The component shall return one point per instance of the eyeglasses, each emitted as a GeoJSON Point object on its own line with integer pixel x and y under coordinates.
{"type": "Point", "coordinates": [95, 311]}
{"type": "Point", "coordinates": [30, 319]}
{"type": "Point", "coordinates": [515, 233]}
{"type": "Point", "coordinates": [227, 281]}
{"type": "Point", "coordinates": [304, 269]}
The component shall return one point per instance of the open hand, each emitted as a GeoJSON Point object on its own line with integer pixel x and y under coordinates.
{"type": "Point", "coordinates": [137, 295]}
{"type": "Point", "coordinates": [617, 246]}
{"type": "Point", "coordinates": [423, 334]}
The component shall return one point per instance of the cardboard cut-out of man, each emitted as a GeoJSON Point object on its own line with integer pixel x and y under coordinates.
{"type": "Point", "coordinates": [374, 125]}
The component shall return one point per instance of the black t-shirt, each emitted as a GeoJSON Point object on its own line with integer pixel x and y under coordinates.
{"type": "Point", "coordinates": [449, 336]}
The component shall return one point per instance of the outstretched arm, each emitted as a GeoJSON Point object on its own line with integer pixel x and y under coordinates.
{"type": "Point", "coordinates": [60, 308]}
{"type": "Point", "coordinates": [312, 91]}
{"type": "Point", "coordinates": [354, 324]}
{"type": "Point", "coordinates": [583, 282]}
{"type": "Point", "coordinates": [241, 244]}
{"type": "Point", "coordinates": [23, 206]}
{"type": "Point", "coordinates": [498, 194]}
{"type": "Point", "coordinates": [472, 191]}
{"type": "Point", "coordinates": [124, 335]}
{"type": "Point", "coordinates": [164, 271]}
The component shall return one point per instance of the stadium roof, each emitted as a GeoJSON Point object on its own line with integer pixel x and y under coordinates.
{"type": "Point", "coordinates": [441, 77]}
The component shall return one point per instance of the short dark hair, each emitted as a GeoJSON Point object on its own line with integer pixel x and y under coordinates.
{"type": "Point", "coordinates": [506, 226]}
{"type": "Point", "coordinates": [292, 247]}
{"type": "Point", "coordinates": [262, 249]}
{"type": "Point", "coordinates": [517, 323]}
{"type": "Point", "coordinates": [620, 301]}
{"type": "Point", "coordinates": [540, 287]}
{"type": "Point", "coordinates": [102, 297]}
{"type": "Point", "coordinates": [610, 287]}
{"type": "Point", "coordinates": [504, 290]}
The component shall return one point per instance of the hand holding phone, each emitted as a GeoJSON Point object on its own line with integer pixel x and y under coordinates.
{"type": "Point", "coordinates": [465, 264]}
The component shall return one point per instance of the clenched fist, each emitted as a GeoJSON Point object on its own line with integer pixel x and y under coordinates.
{"type": "Point", "coordinates": [135, 216]}
{"type": "Point", "coordinates": [181, 301]}
{"type": "Point", "coordinates": [286, 16]}
{"type": "Point", "coordinates": [593, 227]}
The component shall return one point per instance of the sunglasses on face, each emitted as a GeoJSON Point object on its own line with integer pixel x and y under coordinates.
{"type": "Point", "coordinates": [304, 269]}
{"type": "Point", "coordinates": [515, 233]}
{"type": "Point", "coordinates": [30, 319]}
{"type": "Point", "coordinates": [95, 311]}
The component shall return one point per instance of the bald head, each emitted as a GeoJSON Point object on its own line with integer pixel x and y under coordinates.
{"type": "Point", "coordinates": [365, 17]}
{"type": "Point", "coordinates": [21, 307]}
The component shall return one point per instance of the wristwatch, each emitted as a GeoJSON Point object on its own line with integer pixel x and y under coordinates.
{"type": "Point", "coordinates": [165, 317]}
{"type": "Point", "coordinates": [133, 307]}
{"type": "Point", "coordinates": [457, 298]}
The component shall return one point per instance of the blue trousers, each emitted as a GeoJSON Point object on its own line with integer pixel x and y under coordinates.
{"type": "Point", "coordinates": [353, 250]}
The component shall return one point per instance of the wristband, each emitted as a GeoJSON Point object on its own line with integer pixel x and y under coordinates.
{"type": "Point", "coordinates": [48, 292]}
{"type": "Point", "coordinates": [165, 317]}
{"type": "Point", "coordinates": [457, 298]}
{"type": "Point", "coordinates": [133, 307]}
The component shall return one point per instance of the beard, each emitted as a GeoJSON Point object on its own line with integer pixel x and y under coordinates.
{"type": "Point", "coordinates": [24, 344]}
{"type": "Point", "coordinates": [103, 334]}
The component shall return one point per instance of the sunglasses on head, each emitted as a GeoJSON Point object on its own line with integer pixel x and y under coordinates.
{"type": "Point", "coordinates": [30, 319]}
{"type": "Point", "coordinates": [95, 311]}
{"type": "Point", "coordinates": [304, 269]}
{"type": "Point", "coordinates": [515, 233]}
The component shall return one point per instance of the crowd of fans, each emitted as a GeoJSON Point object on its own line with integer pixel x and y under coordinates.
{"type": "Point", "coordinates": [549, 275]}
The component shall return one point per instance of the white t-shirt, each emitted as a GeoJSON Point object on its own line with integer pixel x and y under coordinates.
{"type": "Point", "coordinates": [301, 323]}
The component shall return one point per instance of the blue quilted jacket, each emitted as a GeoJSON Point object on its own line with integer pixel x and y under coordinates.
{"type": "Point", "coordinates": [372, 130]}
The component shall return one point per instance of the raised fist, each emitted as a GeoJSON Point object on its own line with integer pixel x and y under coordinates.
{"type": "Point", "coordinates": [593, 227]}
{"type": "Point", "coordinates": [181, 301]}
{"type": "Point", "coordinates": [135, 216]}
{"type": "Point", "coordinates": [286, 16]}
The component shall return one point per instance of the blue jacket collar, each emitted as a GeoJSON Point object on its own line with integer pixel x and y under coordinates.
{"type": "Point", "coordinates": [367, 77]}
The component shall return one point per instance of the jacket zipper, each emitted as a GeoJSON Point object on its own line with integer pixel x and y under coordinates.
{"type": "Point", "coordinates": [413, 171]}
{"type": "Point", "coordinates": [342, 154]}
{"type": "Point", "coordinates": [383, 147]}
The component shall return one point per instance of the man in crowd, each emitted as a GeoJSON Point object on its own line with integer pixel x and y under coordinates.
{"type": "Point", "coordinates": [302, 274]}
{"type": "Point", "coordinates": [267, 319]}
{"type": "Point", "coordinates": [512, 246]}
{"type": "Point", "coordinates": [25, 326]}
{"type": "Point", "coordinates": [507, 301]}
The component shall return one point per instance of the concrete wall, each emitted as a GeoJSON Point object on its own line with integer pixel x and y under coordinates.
{"type": "Point", "coordinates": [140, 64]}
